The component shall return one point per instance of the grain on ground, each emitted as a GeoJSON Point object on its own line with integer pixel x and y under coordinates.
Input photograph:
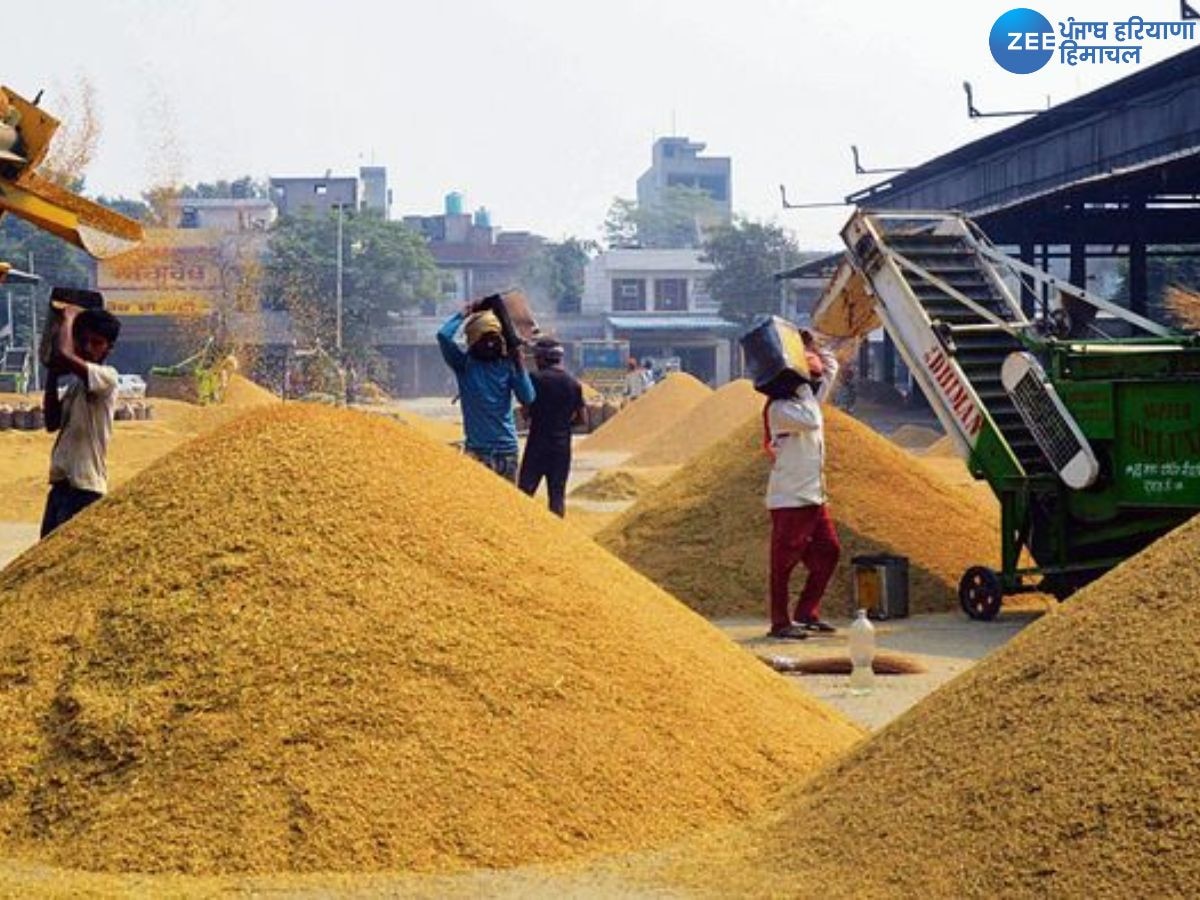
{"type": "Point", "coordinates": [639, 424]}
{"type": "Point", "coordinates": [703, 534]}
{"type": "Point", "coordinates": [1064, 765]}
{"type": "Point", "coordinates": [717, 417]}
{"type": "Point", "coordinates": [333, 645]}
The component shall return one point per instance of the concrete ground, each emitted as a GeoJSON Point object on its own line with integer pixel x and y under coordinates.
{"type": "Point", "coordinates": [15, 538]}
{"type": "Point", "coordinates": [945, 644]}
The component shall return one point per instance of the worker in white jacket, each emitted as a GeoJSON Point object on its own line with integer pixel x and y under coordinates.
{"type": "Point", "coordinates": [802, 531]}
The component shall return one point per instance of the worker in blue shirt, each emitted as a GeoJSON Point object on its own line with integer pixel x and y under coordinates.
{"type": "Point", "coordinates": [489, 373]}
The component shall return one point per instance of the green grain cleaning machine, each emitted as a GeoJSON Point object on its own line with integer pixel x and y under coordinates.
{"type": "Point", "coordinates": [1085, 421]}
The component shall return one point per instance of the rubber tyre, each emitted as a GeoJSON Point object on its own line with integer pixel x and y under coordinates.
{"type": "Point", "coordinates": [980, 593]}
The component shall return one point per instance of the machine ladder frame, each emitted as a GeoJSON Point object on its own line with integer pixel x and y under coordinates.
{"type": "Point", "coordinates": [927, 347]}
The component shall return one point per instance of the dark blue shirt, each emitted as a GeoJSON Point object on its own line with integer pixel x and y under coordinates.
{"type": "Point", "coordinates": [485, 390]}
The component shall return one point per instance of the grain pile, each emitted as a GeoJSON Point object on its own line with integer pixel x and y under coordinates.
{"type": "Point", "coordinates": [136, 444]}
{"type": "Point", "coordinates": [613, 486]}
{"type": "Point", "coordinates": [703, 534]}
{"type": "Point", "coordinates": [1183, 306]}
{"type": "Point", "coordinates": [915, 437]}
{"type": "Point", "coordinates": [241, 393]}
{"type": "Point", "coordinates": [943, 448]}
{"type": "Point", "coordinates": [640, 423]}
{"type": "Point", "coordinates": [327, 648]}
{"type": "Point", "coordinates": [717, 417]}
{"type": "Point", "coordinates": [1064, 765]}
{"type": "Point", "coordinates": [440, 430]}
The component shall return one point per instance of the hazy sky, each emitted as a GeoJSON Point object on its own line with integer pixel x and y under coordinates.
{"type": "Point", "coordinates": [541, 110]}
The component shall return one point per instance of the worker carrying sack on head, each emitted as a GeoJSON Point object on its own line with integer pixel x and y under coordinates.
{"type": "Point", "coordinates": [558, 406]}
{"type": "Point", "coordinates": [83, 416]}
{"type": "Point", "coordinates": [489, 374]}
{"type": "Point", "coordinates": [802, 531]}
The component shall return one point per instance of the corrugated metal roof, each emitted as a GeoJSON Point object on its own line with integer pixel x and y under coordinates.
{"type": "Point", "coordinates": [671, 323]}
{"type": "Point", "coordinates": [653, 260]}
{"type": "Point", "coordinates": [1104, 102]}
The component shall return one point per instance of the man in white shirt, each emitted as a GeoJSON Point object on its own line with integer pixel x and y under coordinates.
{"type": "Point", "coordinates": [83, 416]}
{"type": "Point", "coordinates": [636, 382]}
{"type": "Point", "coordinates": [802, 531]}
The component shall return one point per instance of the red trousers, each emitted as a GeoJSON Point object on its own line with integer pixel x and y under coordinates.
{"type": "Point", "coordinates": [802, 534]}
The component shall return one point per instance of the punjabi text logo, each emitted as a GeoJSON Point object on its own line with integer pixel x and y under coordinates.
{"type": "Point", "coordinates": [1023, 41]}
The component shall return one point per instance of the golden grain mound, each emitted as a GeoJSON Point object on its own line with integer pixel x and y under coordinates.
{"type": "Point", "coordinates": [25, 455]}
{"type": "Point", "coordinates": [915, 437]}
{"type": "Point", "coordinates": [623, 485]}
{"type": "Point", "coordinates": [241, 392]}
{"type": "Point", "coordinates": [612, 486]}
{"type": "Point", "coordinates": [640, 423]}
{"type": "Point", "coordinates": [441, 430]}
{"type": "Point", "coordinates": [703, 534]}
{"type": "Point", "coordinates": [333, 645]}
{"type": "Point", "coordinates": [1183, 306]}
{"type": "Point", "coordinates": [1064, 765]}
{"type": "Point", "coordinates": [942, 448]}
{"type": "Point", "coordinates": [717, 417]}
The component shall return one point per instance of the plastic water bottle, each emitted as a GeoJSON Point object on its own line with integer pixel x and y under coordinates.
{"type": "Point", "coordinates": [862, 654]}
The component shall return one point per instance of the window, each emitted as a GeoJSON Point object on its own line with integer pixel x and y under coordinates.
{"type": "Point", "coordinates": [670, 294]}
{"type": "Point", "coordinates": [628, 295]}
{"type": "Point", "coordinates": [320, 189]}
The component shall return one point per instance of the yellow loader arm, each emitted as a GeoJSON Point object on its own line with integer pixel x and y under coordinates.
{"type": "Point", "coordinates": [25, 133]}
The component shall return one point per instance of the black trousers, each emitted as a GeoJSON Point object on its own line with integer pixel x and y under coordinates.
{"type": "Point", "coordinates": [552, 463]}
{"type": "Point", "coordinates": [63, 503]}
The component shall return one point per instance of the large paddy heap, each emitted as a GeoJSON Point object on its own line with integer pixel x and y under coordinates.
{"type": "Point", "coordinates": [1065, 765]}
{"type": "Point", "coordinates": [640, 423]}
{"type": "Point", "coordinates": [718, 416]}
{"type": "Point", "coordinates": [703, 535]}
{"type": "Point", "coordinates": [313, 640]}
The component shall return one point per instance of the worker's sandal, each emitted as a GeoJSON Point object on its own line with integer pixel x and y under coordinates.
{"type": "Point", "coordinates": [788, 633]}
{"type": "Point", "coordinates": [816, 625]}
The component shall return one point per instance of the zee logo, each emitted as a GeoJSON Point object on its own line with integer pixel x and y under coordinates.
{"type": "Point", "coordinates": [1022, 41]}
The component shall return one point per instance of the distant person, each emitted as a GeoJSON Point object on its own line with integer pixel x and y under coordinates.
{"type": "Point", "coordinates": [558, 405]}
{"type": "Point", "coordinates": [802, 531]}
{"type": "Point", "coordinates": [83, 416]}
{"type": "Point", "coordinates": [489, 374]}
{"type": "Point", "coordinates": [635, 379]}
{"type": "Point", "coordinates": [848, 387]}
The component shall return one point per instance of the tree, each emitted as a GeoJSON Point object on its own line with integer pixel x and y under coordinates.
{"type": "Point", "coordinates": [680, 220]}
{"type": "Point", "coordinates": [554, 274]}
{"type": "Point", "coordinates": [1161, 271]}
{"type": "Point", "coordinates": [243, 188]}
{"type": "Point", "coordinates": [132, 209]}
{"type": "Point", "coordinates": [747, 255]}
{"type": "Point", "coordinates": [386, 268]}
{"type": "Point", "coordinates": [159, 200]}
{"type": "Point", "coordinates": [57, 262]}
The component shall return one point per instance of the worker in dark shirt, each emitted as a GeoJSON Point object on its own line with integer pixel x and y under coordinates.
{"type": "Point", "coordinates": [558, 404]}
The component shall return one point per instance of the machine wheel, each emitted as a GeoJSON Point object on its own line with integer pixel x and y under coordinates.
{"type": "Point", "coordinates": [980, 593]}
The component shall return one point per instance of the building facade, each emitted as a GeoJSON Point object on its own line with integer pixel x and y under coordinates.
{"type": "Point", "coordinates": [222, 214]}
{"type": "Point", "coordinates": [658, 301]}
{"type": "Point", "coordinates": [676, 162]}
{"type": "Point", "coordinates": [190, 282]}
{"type": "Point", "coordinates": [314, 196]}
{"type": "Point", "coordinates": [474, 259]}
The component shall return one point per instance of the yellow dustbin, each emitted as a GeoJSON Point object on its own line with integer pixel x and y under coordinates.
{"type": "Point", "coordinates": [880, 586]}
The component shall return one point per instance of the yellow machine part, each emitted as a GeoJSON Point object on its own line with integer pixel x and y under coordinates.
{"type": "Point", "coordinates": [847, 307]}
{"type": "Point", "coordinates": [36, 128]}
{"type": "Point", "coordinates": [93, 228]}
